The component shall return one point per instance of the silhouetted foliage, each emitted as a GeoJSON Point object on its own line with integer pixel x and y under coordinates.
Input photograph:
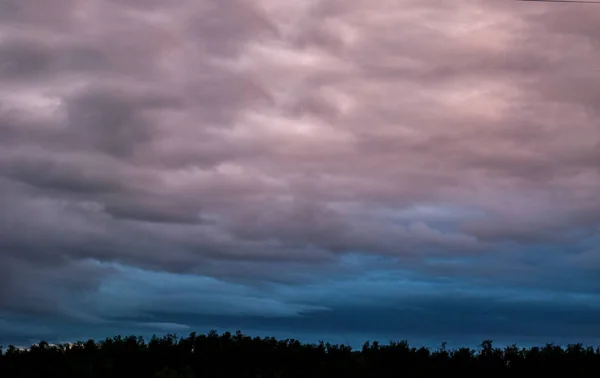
{"type": "Point", "coordinates": [227, 355]}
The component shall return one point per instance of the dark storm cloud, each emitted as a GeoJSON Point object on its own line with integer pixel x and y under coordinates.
{"type": "Point", "coordinates": [245, 153]}
{"type": "Point", "coordinates": [431, 318]}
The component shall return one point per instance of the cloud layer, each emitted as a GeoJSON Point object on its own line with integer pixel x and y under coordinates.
{"type": "Point", "coordinates": [276, 165]}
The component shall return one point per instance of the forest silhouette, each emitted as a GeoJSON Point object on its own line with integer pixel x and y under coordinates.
{"type": "Point", "coordinates": [238, 355]}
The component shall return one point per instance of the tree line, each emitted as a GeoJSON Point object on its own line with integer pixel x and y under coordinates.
{"type": "Point", "coordinates": [237, 355]}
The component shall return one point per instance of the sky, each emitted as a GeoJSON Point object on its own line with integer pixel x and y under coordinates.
{"type": "Point", "coordinates": [345, 170]}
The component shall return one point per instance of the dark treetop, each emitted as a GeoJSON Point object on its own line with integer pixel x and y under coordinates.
{"type": "Point", "coordinates": [238, 355]}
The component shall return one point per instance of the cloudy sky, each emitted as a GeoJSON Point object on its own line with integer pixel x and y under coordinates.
{"type": "Point", "coordinates": [321, 169]}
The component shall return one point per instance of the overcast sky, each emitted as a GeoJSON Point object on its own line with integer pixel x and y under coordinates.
{"type": "Point", "coordinates": [321, 169]}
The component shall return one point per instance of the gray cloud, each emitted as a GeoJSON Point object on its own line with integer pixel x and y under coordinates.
{"type": "Point", "coordinates": [262, 145]}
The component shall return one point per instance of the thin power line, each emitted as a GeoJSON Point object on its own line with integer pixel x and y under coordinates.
{"type": "Point", "coordinates": [565, 1]}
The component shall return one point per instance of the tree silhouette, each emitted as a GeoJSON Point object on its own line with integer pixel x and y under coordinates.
{"type": "Point", "coordinates": [238, 355]}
